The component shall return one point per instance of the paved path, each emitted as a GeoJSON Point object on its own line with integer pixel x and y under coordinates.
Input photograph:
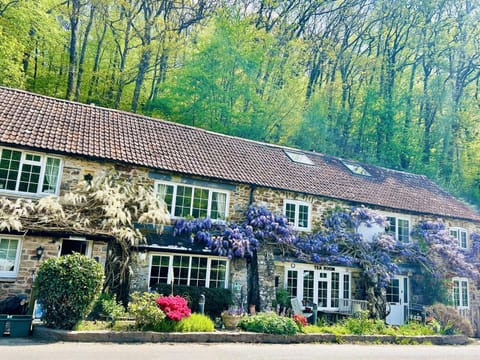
{"type": "Point", "coordinates": [27, 349]}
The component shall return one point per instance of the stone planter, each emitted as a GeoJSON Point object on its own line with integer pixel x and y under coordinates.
{"type": "Point", "coordinates": [20, 325]}
{"type": "Point", "coordinates": [231, 321]}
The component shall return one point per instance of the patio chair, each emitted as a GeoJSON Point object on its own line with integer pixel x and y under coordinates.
{"type": "Point", "coordinates": [297, 308]}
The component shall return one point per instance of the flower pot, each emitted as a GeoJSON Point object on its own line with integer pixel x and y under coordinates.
{"type": "Point", "coordinates": [20, 325]}
{"type": "Point", "coordinates": [231, 321]}
{"type": "Point", "coordinates": [3, 322]}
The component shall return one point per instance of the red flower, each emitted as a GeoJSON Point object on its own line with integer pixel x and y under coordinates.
{"type": "Point", "coordinates": [174, 307]}
{"type": "Point", "coordinates": [300, 320]}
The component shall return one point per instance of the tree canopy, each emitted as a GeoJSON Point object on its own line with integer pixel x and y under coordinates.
{"type": "Point", "coordinates": [389, 83]}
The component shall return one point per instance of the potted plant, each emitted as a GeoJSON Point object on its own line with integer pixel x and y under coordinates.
{"type": "Point", "coordinates": [232, 317]}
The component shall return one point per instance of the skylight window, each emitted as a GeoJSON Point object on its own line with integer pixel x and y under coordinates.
{"type": "Point", "coordinates": [299, 157]}
{"type": "Point", "coordinates": [356, 168]}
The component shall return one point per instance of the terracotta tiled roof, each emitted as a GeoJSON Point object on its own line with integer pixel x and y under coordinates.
{"type": "Point", "coordinates": [54, 125]}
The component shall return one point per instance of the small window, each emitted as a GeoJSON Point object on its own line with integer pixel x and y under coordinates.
{"type": "Point", "coordinates": [298, 214]}
{"type": "Point", "coordinates": [460, 235]}
{"type": "Point", "coordinates": [399, 228]}
{"type": "Point", "coordinates": [10, 248]}
{"type": "Point", "coordinates": [299, 157]}
{"type": "Point", "coordinates": [460, 292]}
{"type": "Point", "coordinates": [355, 168]}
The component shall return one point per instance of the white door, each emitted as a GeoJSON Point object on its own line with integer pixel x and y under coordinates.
{"type": "Point", "coordinates": [397, 298]}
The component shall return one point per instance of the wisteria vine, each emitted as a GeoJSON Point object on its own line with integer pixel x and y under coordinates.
{"type": "Point", "coordinates": [339, 242]}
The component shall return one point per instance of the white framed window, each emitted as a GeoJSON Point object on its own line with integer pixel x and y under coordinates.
{"type": "Point", "coordinates": [76, 244]}
{"type": "Point", "coordinates": [460, 292]}
{"type": "Point", "coordinates": [10, 249]}
{"type": "Point", "coordinates": [192, 270]}
{"type": "Point", "coordinates": [326, 286]}
{"type": "Point", "coordinates": [298, 214]}
{"type": "Point", "coordinates": [184, 200]}
{"type": "Point", "coordinates": [28, 172]}
{"type": "Point", "coordinates": [399, 228]}
{"type": "Point", "coordinates": [460, 235]}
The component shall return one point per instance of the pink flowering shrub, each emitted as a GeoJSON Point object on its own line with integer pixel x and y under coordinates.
{"type": "Point", "coordinates": [174, 307]}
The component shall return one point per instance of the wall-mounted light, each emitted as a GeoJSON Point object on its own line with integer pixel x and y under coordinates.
{"type": "Point", "coordinates": [39, 252]}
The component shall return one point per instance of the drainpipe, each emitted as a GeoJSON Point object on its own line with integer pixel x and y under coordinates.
{"type": "Point", "coordinates": [253, 288]}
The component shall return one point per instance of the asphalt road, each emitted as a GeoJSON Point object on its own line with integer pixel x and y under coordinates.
{"type": "Point", "coordinates": [25, 349]}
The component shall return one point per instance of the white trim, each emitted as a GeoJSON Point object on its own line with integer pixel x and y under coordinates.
{"type": "Point", "coordinates": [170, 275]}
{"type": "Point", "coordinates": [16, 265]}
{"type": "Point", "coordinates": [326, 270]}
{"type": "Point", "coordinates": [210, 190]}
{"type": "Point", "coordinates": [459, 231]}
{"type": "Point", "coordinates": [460, 280]}
{"type": "Point", "coordinates": [298, 203]}
{"type": "Point", "coordinates": [42, 163]}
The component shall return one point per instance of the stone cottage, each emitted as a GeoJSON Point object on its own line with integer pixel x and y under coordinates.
{"type": "Point", "coordinates": [47, 144]}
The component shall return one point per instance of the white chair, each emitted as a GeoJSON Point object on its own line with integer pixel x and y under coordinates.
{"type": "Point", "coordinates": [297, 308]}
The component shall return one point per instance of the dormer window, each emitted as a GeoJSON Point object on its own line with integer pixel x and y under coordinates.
{"type": "Point", "coordinates": [355, 168]}
{"type": "Point", "coordinates": [27, 172]}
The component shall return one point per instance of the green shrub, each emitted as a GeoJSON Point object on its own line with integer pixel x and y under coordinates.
{"type": "Point", "coordinates": [362, 325]}
{"type": "Point", "coordinates": [68, 286]}
{"type": "Point", "coordinates": [269, 323]}
{"type": "Point", "coordinates": [449, 321]}
{"type": "Point", "coordinates": [196, 323]}
{"type": "Point", "coordinates": [148, 315]}
{"type": "Point", "coordinates": [107, 306]}
{"type": "Point", "coordinates": [216, 299]}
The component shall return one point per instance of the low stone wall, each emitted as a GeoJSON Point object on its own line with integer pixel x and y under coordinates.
{"type": "Point", "coordinates": [41, 332]}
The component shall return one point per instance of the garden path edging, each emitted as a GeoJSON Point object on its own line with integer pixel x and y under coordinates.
{"type": "Point", "coordinates": [44, 333]}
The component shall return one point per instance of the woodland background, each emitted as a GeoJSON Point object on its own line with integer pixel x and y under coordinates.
{"type": "Point", "coordinates": [388, 82]}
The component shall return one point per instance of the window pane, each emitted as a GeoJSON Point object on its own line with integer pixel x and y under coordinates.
{"type": "Point", "coordinates": [308, 285]}
{"type": "Point", "coordinates": [8, 254]}
{"type": "Point", "coordinates": [218, 270]}
{"type": "Point", "coordinates": [292, 282]}
{"type": "Point", "coordinates": [159, 270]}
{"type": "Point", "coordinates": [165, 192]}
{"type": "Point", "coordinates": [403, 230]}
{"type": "Point", "coordinates": [393, 291]}
{"type": "Point", "coordinates": [181, 265]}
{"type": "Point", "coordinates": [9, 168]}
{"type": "Point", "coordinates": [219, 206]}
{"type": "Point", "coordinates": [303, 216]}
{"type": "Point", "coordinates": [198, 273]}
{"type": "Point", "coordinates": [200, 203]}
{"type": "Point", "coordinates": [290, 212]}
{"type": "Point", "coordinates": [29, 178]}
{"type": "Point", "coordinates": [50, 179]}
{"type": "Point", "coordinates": [323, 293]}
{"type": "Point", "coordinates": [183, 201]}
{"type": "Point", "coordinates": [346, 286]}
{"type": "Point", "coordinates": [335, 289]}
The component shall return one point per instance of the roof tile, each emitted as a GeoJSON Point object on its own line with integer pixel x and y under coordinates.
{"type": "Point", "coordinates": [54, 125]}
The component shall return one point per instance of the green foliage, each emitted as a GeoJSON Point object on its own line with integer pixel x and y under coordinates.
{"type": "Point", "coordinates": [148, 315]}
{"type": "Point", "coordinates": [216, 299]}
{"type": "Point", "coordinates": [363, 325]}
{"type": "Point", "coordinates": [196, 323]}
{"type": "Point", "coordinates": [269, 323]}
{"type": "Point", "coordinates": [448, 321]}
{"type": "Point", "coordinates": [107, 306]}
{"type": "Point", "coordinates": [68, 287]}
